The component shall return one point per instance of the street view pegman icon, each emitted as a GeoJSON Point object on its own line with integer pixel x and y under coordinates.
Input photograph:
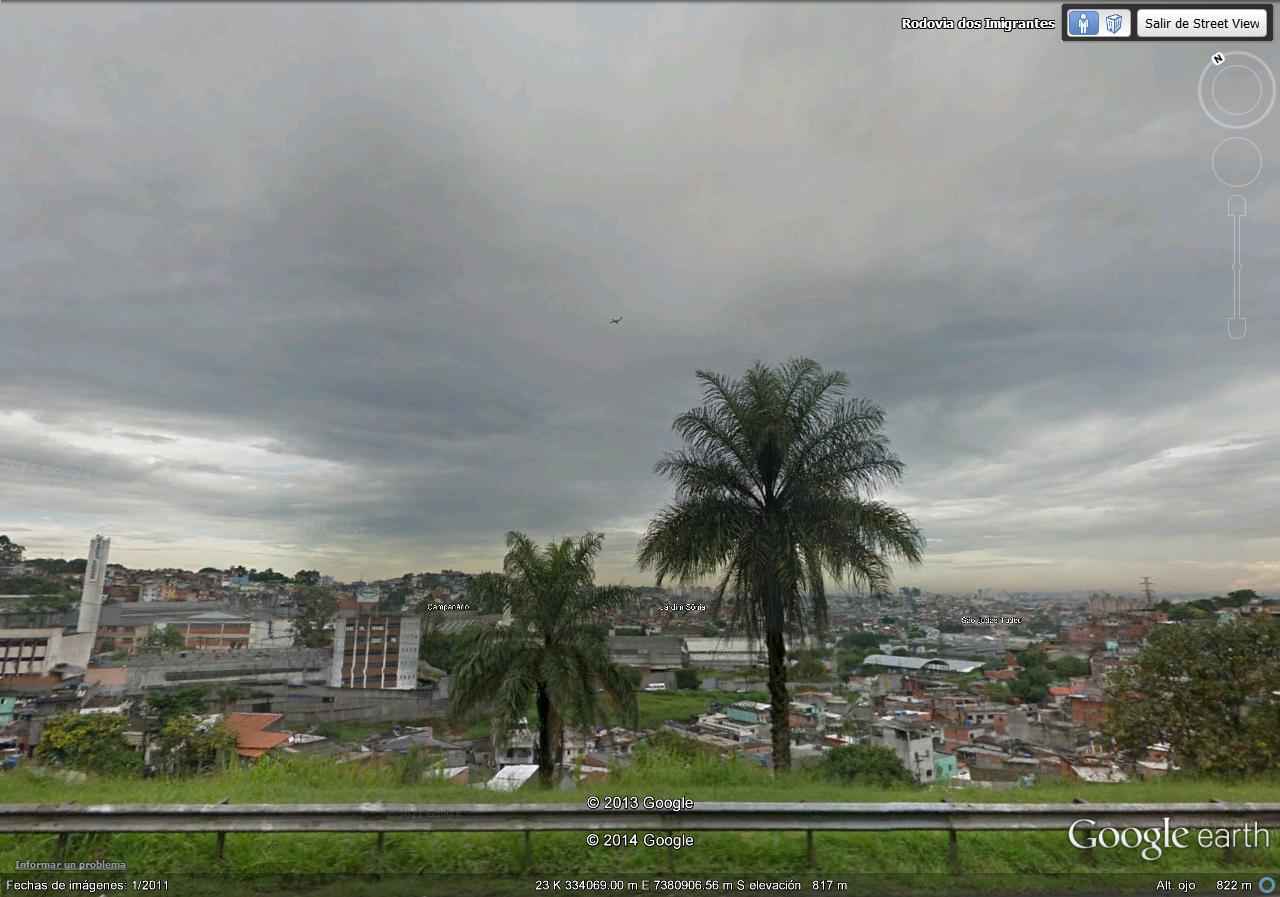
{"type": "Point", "coordinates": [1082, 22]}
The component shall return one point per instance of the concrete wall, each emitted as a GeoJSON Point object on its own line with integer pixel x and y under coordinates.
{"type": "Point", "coordinates": [183, 669]}
{"type": "Point", "coordinates": [308, 705]}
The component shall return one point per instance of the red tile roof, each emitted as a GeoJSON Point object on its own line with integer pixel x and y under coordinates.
{"type": "Point", "coordinates": [251, 738]}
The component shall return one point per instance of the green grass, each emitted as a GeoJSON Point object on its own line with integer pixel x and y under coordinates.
{"type": "Point", "coordinates": [915, 857]}
{"type": "Point", "coordinates": [314, 780]}
{"type": "Point", "coordinates": [656, 707]}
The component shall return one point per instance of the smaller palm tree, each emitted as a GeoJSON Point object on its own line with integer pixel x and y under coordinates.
{"type": "Point", "coordinates": [554, 657]}
{"type": "Point", "coordinates": [227, 696]}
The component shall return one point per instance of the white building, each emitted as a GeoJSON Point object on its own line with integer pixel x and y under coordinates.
{"type": "Point", "coordinates": [270, 633]}
{"type": "Point", "coordinates": [43, 652]}
{"type": "Point", "coordinates": [912, 741]}
{"type": "Point", "coordinates": [731, 652]}
{"type": "Point", "coordinates": [95, 572]}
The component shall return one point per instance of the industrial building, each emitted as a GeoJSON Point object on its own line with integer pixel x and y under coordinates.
{"type": "Point", "coordinates": [936, 666]}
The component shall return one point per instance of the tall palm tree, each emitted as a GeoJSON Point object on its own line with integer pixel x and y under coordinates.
{"type": "Point", "coordinates": [555, 653]}
{"type": "Point", "coordinates": [772, 490]}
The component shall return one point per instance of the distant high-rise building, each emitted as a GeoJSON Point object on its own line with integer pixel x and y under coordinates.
{"type": "Point", "coordinates": [1101, 605]}
{"type": "Point", "coordinates": [95, 572]}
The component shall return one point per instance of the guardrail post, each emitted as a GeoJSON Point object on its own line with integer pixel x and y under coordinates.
{"type": "Point", "coordinates": [526, 855]}
{"type": "Point", "coordinates": [382, 842]}
{"type": "Point", "coordinates": [222, 845]}
{"type": "Point", "coordinates": [808, 845]}
{"type": "Point", "coordinates": [1088, 832]}
{"type": "Point", "coordinates": [953, 841]}
{"type": "Point", "coordinates": [671, 855]}
{"type": "Point", "coordinates": [1228, 855]}
{"type": "Point", "coordinates": [61, 850]}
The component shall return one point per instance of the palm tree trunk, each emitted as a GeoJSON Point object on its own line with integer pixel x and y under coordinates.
{"type": "Point", "coordinates": [779, 700]}
{"type": "Point", "coordinates": [546, 754]}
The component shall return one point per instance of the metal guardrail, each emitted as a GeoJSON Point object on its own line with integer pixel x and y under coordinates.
{"type": "Point", "coordinates": [703, 816]}
{"type": "Point", "coordinates": [381, 818]}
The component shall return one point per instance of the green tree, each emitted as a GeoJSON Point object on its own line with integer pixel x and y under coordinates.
{"type": "Point", "coordinates": [1068, 666]}
{"type": "Point", "coordinates": [851, 661]}
{"type": "Point", "coordinates": [1187, 612]}
{"type": "Point", "coordinates": [808, 666]}
{"type": "Point", "coordinates": [185, 744]}
{"type": "Point", "coordinates": [307, 577]}
{"type": "Point", "coordinates": [437, 646]}
{"type": "Point", "coordinates": [1207, 690]}
{"type": "Point", "coordinates": [1031, 684]}
{"type": "Point", "coordinates": [688, 679]}
{"type": "Point", "coordinates": [163, 706]}
{"type": "Point", "coordinates": [480, 594]}
{"type": "Point", "coordinates": [1239, 598]}
{"type": "Point", "coordinates": [860, 639]}
{"type": "Point", "coordinates": [90, 742]}
{"type": "Point", "coordinates": [51, 597]}
{"type": "Point", "coordinates": [312, 615]}
{"type": "Point", "coordinates": [164, 637]}
{"type": "Point", "coordinates": [227, 695]}
{"type": "Point", "coordinates": [555, 653]}
{"type": "Point", "coordinates": [772, 490]}
{"type": "Point", "coordinates": [267, 575]}
{"type": "Point", "coordinates": [864, 764]}
{"type": "Point", "coordinates": [10, 552]}
{"type": "Point", "coordinates": [1032, 658]}
{"type": "Point", "coordinates": [57, 566]}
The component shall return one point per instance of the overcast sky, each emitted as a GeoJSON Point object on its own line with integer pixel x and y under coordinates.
{"type": "Point", "coordinates": [329, 285]}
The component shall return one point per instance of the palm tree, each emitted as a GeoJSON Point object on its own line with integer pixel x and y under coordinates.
{"type": "Point", "coordinates": [555, 653]}
{"type": "Point", "coordinates": [227, 696]}
{"type": "Point", "coordinates": [772, 490]}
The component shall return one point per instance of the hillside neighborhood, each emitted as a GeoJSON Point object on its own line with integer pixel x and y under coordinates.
{"type": "Point", "coordinates": [982, 690]}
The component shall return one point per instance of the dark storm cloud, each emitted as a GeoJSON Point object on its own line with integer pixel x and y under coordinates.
{"type": "Point", "coordinates": [329, 285]}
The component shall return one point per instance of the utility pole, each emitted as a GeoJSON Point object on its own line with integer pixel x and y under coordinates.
{"type": "Point", "coordinates": [1147, 588]}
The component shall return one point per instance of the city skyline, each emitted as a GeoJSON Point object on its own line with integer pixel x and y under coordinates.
{"type": "Point", "coordinates": [335, 293]}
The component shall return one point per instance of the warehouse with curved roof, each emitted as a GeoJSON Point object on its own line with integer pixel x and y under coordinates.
{"type": "Point", "coordinates": [938, 666]}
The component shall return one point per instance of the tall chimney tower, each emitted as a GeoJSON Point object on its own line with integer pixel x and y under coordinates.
{"type": "Point", "coordinates": [95, 573]}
